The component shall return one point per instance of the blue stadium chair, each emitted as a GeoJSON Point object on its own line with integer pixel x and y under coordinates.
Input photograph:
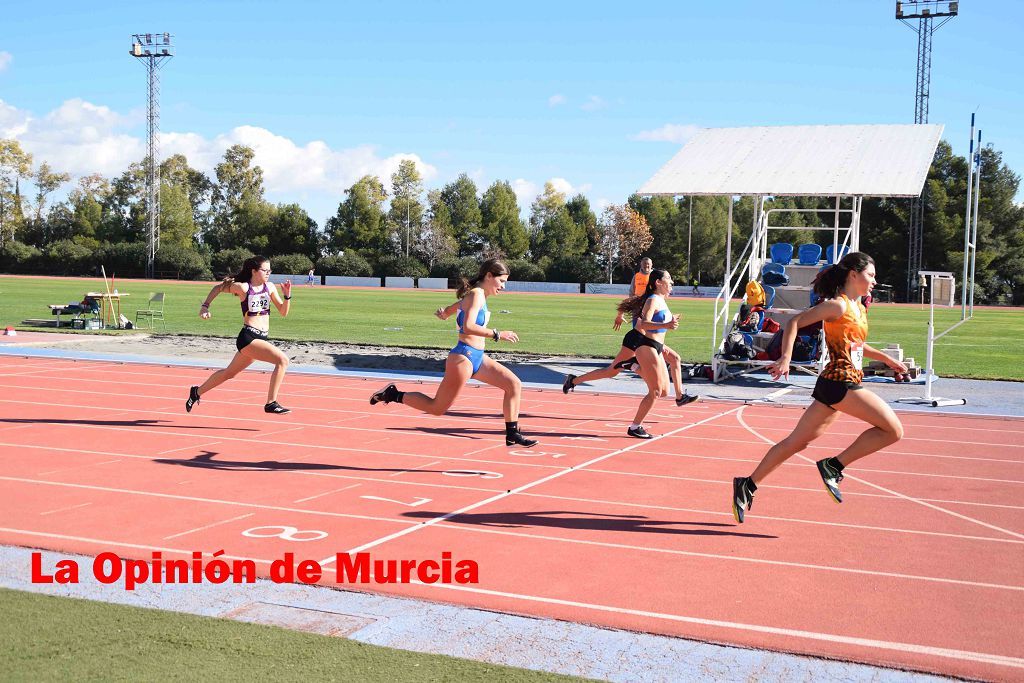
{"type": "Point", "coordinates": [774, 274]}
{"type": "Point", "coordinates": [769, 295]}
{"type": "Point", "coordinates": [781, 252]}
{"type": "Point", "coordinates": [830, 252]}
{"type": "Point", "coordinates": [809, 254]}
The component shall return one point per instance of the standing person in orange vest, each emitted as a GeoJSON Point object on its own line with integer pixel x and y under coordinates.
{"type": "Point", "coordinates": [638, 285]}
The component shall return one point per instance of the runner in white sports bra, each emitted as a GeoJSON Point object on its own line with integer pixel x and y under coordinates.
{"type": "Point", "coordinates": [255, 291]}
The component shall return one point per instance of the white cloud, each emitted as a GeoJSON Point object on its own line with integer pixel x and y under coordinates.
{"type": "Point", "coordinates": [526, 192]}
{"type": "Point", "coordinates": [5, 59]}
{"type": "Point", "coordinates": [670, 132]}
{"type": "Point", "coordinates": [557, 100]}
{"type": "Point", "coordinates": [13, 122]}
{"type": "Point", "coordinates": [594, 103]}
{"type": "Point", "coordinates": [568, 189]}
{"type": "Point", "coordinates": [82, 138]}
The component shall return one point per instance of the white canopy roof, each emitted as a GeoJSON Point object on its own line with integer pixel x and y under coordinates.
{"type": "Point", "coordinates": [869, 160]}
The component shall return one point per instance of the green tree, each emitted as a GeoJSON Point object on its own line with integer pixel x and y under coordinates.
{"type": "Point", "coordinates": [435, 241]}
{"type": "Point", "coordinates": [558, 237]}
{"type": "Point", "coordinates": [293, 232]}
{"type": "Point", "coordinates": [546, 206]}
{"type": "Point", "coordinates": [360, 222]}
{"type": "Point", "coordinates": [47, 181]}
{"type": "Point", "coordinates": [464, 212]}
{"type": "Point", "coordinates": [237, 201]}
{"type": "Point", "coordinates": [15, 164]}
{"type": "Point", "coordinates": [126, 204]}
{"type": "Point", "coordinates": [406, 212]}
{"type": "Point", "coordinates": [665, 219]}
{"type": "Point", "coordinates": [500, 224]}
{"type": "Point", "coordinates": [197, 185]}
{"type": "Point", "coordinates": [583, 216]}
{"type": "Point", "coordinates": [177, 223]}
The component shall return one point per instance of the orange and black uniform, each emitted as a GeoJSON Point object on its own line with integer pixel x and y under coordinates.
{"type": "Point", "coordinates": [640, 283]}
{"type": "Point", "coordinates": [845, 338]}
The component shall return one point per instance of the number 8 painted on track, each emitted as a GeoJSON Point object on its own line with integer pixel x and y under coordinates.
{"type": "Point", "coordinates": [288, 533]}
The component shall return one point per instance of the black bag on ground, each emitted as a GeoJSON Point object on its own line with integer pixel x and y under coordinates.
{"type": "Point", "coordinates": [736, 348]}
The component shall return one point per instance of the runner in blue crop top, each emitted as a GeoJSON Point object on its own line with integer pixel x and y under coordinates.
{"type": "Point", "coordinates": [255, 292]}
{"type": "Point", "coordinates": [467, 359]}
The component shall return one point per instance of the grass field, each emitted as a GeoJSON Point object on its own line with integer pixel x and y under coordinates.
{"type": "Point", "coordinates": [48, 638]}
{"type": "Point", "coordinates": [990, 346]}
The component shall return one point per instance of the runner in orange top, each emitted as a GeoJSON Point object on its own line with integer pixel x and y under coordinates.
{"type": "Point", "coordinates": [838, 389]}
{"type": "Point", "coordinates": [638, 285]}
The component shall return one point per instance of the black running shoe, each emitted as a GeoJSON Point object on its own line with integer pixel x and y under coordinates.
{"type": "Point", "coordinates": [276, 408]}
{"type": "Point", "coordinates": [385, 395]}
{"type": "Point", "coordinates": [193, 398]}
{"type": "Point", "coordinates": [686, 398]}
{"type": "Point", "coordinates": [629, 364]}
{"type": "Point", "coordinates": [517, 439]}
{"type": "Point", "coordinates": [639, 433]}
{"type": "Point", "coordinates": [742, 497]}
{"type": "Point", "coordinates": [568, 385]}
{"type": "Point", "coordinates": [831, 476]}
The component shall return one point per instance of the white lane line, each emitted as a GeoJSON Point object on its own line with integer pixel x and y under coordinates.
{"type": "Point", "coordinates": [634, 549]}
{"type": "Point", "coordinates": [413, 469]}
{"type": "Point", "coordinates": [209, 526]}
{"type": "Point", "coordinates": [436, 520]}
{"type": "Point", "coordinates": [70, 507]}
{"type": "Point", "coordinates": [794, 520]}
{"type": "Point", "coordinates": [739, 416]}
{"type": "Point", "coordinates": [123, 544]}
{"type": "Point", "coordinates": [306, 473]}
{"type": "Point", "coordinates": [911, 648]}
{"type": "Point", "coordinates": [183, 448]}
{"type": "Point", "coordinates": [325, 493]}
{"type": "Point", "coordinates": [775, 394]}
{"type": "Point", "coordinates": [810, 635]}
{"type": "Point", "coordinates": [197, 499]}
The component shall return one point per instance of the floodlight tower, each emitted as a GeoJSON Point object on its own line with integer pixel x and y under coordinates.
{"type": "Point", "coordinates": [925, 11]}
{"type": "Point", "coordinates": [153, 49]}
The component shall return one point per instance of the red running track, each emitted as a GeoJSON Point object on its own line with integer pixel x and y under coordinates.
{"type": "Point", "coordinates": [919, 568]}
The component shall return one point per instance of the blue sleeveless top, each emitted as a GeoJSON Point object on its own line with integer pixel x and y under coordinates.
{"type": "Point", "coordinates": [482, 317]}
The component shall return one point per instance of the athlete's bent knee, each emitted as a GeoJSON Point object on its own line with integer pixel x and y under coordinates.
{"type": "Point", "coordinates": [896, 432]}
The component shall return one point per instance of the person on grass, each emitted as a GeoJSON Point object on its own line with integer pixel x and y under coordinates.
{"type": "Point", "coordinates": [838, 389]}
{"type": "Point", "coordinates": [646, 341]}
{"type": "Point", "coordinates": [467, 359]}
{"type": "Point", "coordinates": [255, 291]}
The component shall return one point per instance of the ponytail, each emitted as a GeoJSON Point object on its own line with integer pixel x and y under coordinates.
{"type": "Point", "coordinates": [245, 274]}
{"type": "Point", "coordinates": [831, 280]}
{"type": "Point", "coordinates": [634, 305]}
{"type": "Point", "coordinates": [493, 266]}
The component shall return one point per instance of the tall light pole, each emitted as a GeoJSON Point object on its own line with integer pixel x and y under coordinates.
{"type": "Point", "coordinates": [925, 11]}
{"type": "Point", "coordinates": [153, 49]}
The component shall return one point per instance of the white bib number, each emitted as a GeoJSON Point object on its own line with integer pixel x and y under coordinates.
{"type": "Point", "coordinates": [857, 354]}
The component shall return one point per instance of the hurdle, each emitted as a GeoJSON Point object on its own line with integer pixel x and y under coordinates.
{"type": "Point", "coordinates": [947, 283]}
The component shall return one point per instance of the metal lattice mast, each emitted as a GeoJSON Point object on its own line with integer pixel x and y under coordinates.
{"type": "Point", "coordinates": [154, 49]}
{"type": "Point", "coordinates": [924, 11]}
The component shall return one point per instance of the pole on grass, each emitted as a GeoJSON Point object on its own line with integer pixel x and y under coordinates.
{"type": "Point", "coordinates": [967, 225]}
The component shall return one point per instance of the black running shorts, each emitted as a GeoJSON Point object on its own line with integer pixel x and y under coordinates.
{"type": "Point", "coordinates": [830, 392]}
{"type": "Point", "coordinates": [248, 335]}
{"type": "Point", "coordinates": [634, 340]}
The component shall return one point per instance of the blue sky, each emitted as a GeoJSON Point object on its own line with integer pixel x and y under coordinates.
{"type": "Point", "coordinates": [596, 95]}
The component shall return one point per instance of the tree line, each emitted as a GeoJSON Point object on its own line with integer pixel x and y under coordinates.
{"type": "Point", "coordinates": [210, 224]}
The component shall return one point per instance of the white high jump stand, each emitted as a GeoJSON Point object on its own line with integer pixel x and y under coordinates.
{"type": "Point", "coordinates": [928, 399]}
